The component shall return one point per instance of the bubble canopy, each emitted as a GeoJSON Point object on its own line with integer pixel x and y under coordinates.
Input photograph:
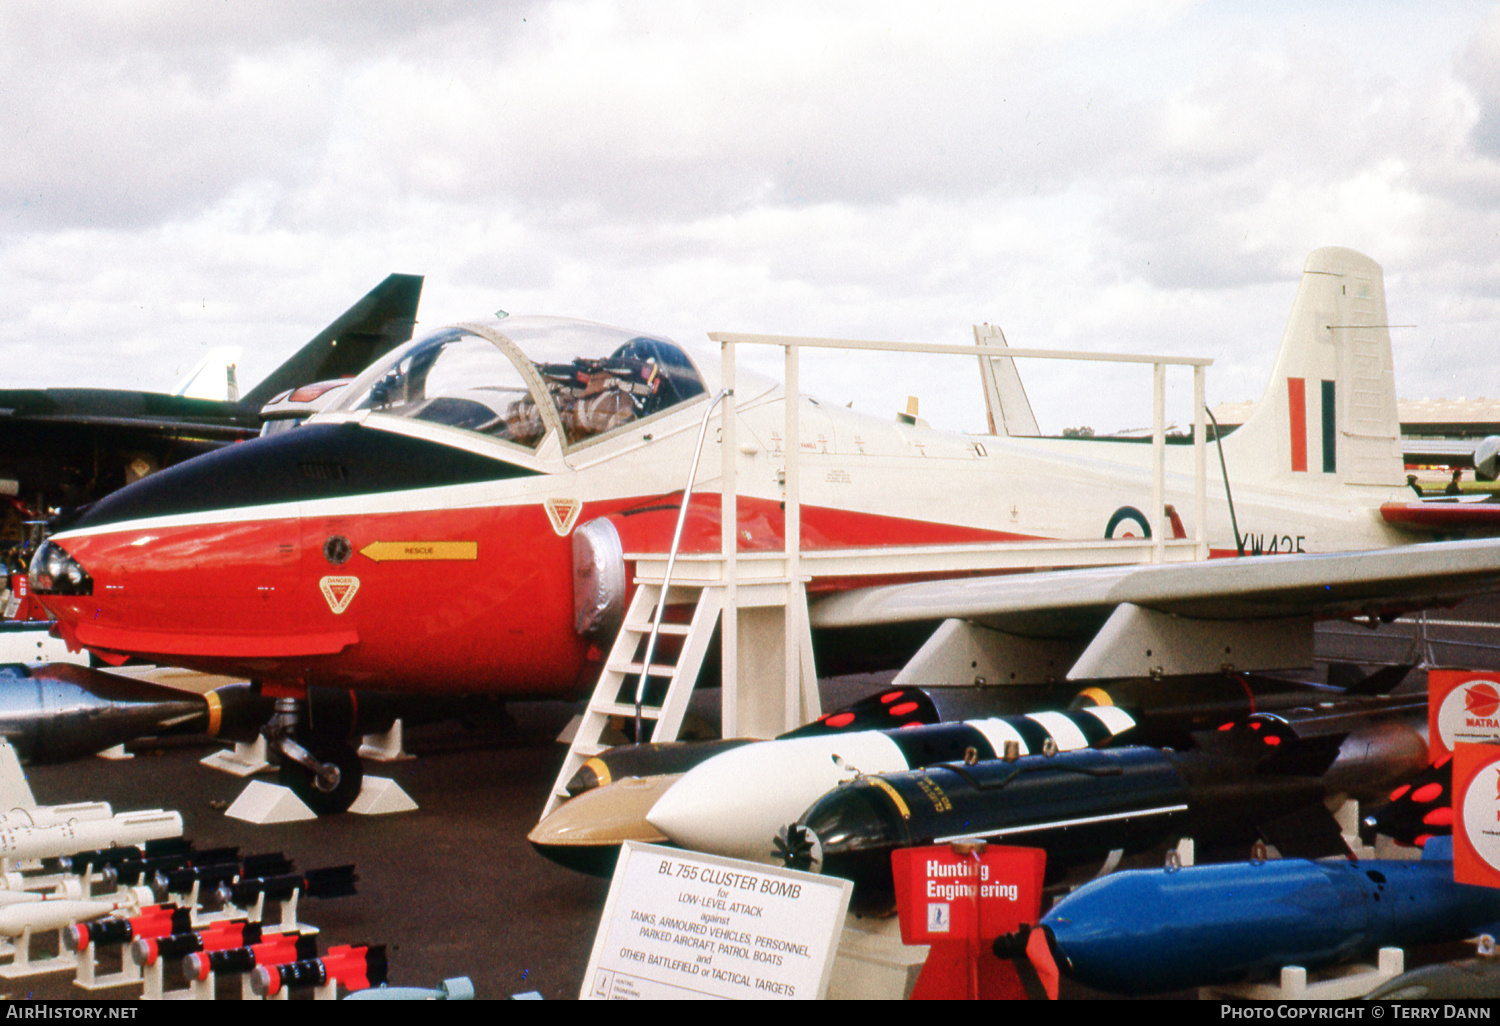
{"type": "Point", "coordinates": [515, 379]}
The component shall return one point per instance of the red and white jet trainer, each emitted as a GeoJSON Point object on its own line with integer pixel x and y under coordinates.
{"type": "Point", "coordinates": [416, 536]}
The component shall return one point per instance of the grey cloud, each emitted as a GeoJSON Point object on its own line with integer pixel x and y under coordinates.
{"type": "Point", "coordinates": [1478, 66]}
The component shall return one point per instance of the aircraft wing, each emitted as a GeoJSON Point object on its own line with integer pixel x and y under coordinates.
{"type": "Point", "coordinates": [1061, 603]}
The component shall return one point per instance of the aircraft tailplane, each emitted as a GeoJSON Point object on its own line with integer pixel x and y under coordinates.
{"type": "Point", "coordinates": [1328, 415]}
{"type": "Point", "coordinates": [372, 327]}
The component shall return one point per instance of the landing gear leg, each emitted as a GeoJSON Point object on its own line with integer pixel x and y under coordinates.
{"type": "Point", "coordinates": [325, 774]}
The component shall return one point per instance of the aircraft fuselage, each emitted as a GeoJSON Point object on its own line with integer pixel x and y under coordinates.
{"type": "Point", "coordinates": [408, 540]}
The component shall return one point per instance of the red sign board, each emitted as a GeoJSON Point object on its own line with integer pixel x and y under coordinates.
{"type": "Point", "coordinates": [942, 895]}
{"type": "Point", "coordinates": [959, 902]}
{"type": "Point", "coordinates": [1463, 706]}
{"type": "Point", "coordinates": [1476, 814]}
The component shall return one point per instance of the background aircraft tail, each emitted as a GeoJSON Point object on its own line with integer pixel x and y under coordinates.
{"type": "Point", "coordinates": [1005, 401]}
{"type": "Point", "coordinates": [372, 327]}
{"type": "Point", "coordinates": [1328, 415]}
{"type": "Point", "coordinates": [214, 377]}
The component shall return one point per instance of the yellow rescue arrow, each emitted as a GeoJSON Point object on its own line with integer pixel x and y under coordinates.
{"type": "Point", "coordinates": [381, 551]}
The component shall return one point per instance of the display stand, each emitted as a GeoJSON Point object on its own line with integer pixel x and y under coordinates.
{"type": "Point", "coordinates": [287, 923]}
{"type": "Point", "coordinates": [88, 977]}
{"type": "Point", "coordinates": [196, 990]}
{"type": "Point", "coordinates": [1342, 983]}
{"type": "Point", "coordinates": [386, 747]}
{"type": "Point", "coordinates": [247, 992]}
{"type": "Point", "coordinates": [23, 965]}
{"type": "Point", "coordinates": [380, 796]}
{"type": "Point", "coordinates": [243, 760]}
{"type": "Point", "coordinates": [264, 803]}
{"type": "Point", "coordinates": [198, 919]}
{"type": "Point", "coordinates": [872, 964]}
{"type": "Point", "coordinates": [1347, 818]}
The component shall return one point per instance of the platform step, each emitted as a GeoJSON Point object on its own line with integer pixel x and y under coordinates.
{"type": "Point", "coordinates": [679, 629]}
{"type": "Point", "coordinates": [621, 671]}
{"type": "Point", "coordinates": [648, 712]}
{"type": "Point", "coordinates": [634, 669]}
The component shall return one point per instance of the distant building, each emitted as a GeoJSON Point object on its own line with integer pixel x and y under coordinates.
{"type": "Point", "coordinates": [1433, 431]}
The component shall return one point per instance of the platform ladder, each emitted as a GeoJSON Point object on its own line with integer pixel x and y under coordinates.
{"type": "Point", "coordinates": [614, 695]}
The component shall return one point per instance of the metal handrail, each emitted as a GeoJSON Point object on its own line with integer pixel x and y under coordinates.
{"type": "Point", "coordinates": [666, 583]}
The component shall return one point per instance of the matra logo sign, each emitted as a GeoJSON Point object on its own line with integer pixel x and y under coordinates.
{"type": "Point", "coordinates": [1476, 802]}
{"type": "Point", "coordinates": [1463, 706]}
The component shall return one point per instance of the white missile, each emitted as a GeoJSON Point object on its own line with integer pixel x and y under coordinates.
{"type": "Point", "coordinates": [8, 898]}
{"type": "Point", "coordinates": [52, 914]}
{"type": "Point", "coordinates": [42, 842]}
{"type": "Point", "coordinates": [52, 815]}
{"type": "Point", "coordinates": [733, 803]}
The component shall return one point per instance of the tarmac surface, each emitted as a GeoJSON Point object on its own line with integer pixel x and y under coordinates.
{"type": "Point", "coordinates": [454, 889]}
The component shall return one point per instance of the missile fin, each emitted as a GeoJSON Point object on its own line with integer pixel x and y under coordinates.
{"type": "Point", "coordinates": [894, 707]}
{"type": "Point", "coordinates": [1356, 682]}
{"type": "Point", "coordinates": [1029, 951]}
{"type": "Point", "coordinates": [1418, 810]}
{"type": "Point", "coordinates": [1272, 745]}
{"type": "Point", "coordinates": [333, 882]}
{"type": "Point", "coordinates": [268, 864]}
{"type": "Point", "coordinates": [1310, 832]}
{"type": "Point", "coordinates": [377, 970]}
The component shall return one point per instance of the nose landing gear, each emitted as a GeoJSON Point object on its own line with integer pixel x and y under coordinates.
{"type": "Point", "coordinates": [324, 772]}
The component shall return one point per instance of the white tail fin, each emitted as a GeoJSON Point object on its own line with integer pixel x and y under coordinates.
{"type": "Point", "coordinates": [1004, 396]}
{"type": "Point", "coordinates": [214, 377]}
{"type": "Point", "coordinates": [1329, 414]}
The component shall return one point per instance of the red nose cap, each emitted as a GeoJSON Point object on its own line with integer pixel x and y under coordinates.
{"type": "Point", "coordinates": [266, 981]}
{"type": "Point", "coordinates": [76, 937]}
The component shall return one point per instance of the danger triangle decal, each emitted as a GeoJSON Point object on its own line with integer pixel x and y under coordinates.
{"type": "Point", "coordinates": [339, 591]}
{"type": "Point", "coordinates": [562, 513]}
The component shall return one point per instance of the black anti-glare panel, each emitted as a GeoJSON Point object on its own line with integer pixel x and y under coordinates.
{"type": "Point", "coordinates": [320, 461]}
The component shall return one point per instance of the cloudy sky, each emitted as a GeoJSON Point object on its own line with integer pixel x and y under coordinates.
{"type": "Point", "coordinates": [1136, 175]}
